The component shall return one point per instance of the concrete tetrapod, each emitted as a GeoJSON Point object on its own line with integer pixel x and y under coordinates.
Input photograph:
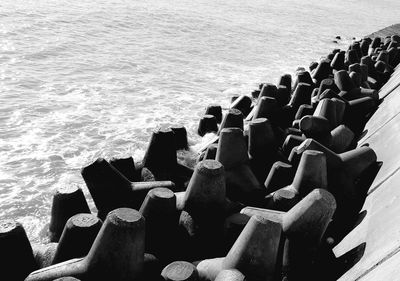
{"type": "Point", "coordinates": [282, 96]}
{"type": "Point", "coordinates": [301, 95]}
{"type": "Point", "coordinates": [307, 219]}
{"type": "Point", "coordinates": [159, 211]}
{"type": "Point", "coordinates": [151, 268]}
{"type": "Point", "coordinates": [180, 271]}
{"type": "Point", "coordinates": [210, 268]}
{"type": "Point", "coordinates": [232, 119]}
{"type": "Point", "coordinates": [303, 225]}
{"type": "Point", "coordinates": [372, 73]}
{"type": "Point", "coordinates": [357, 47]}
{"type": "Point", "coordinates": [340, 105]}
{"type": "Point", "coordinates": [282, 200]}
{"type": "Point", "coordinates": [326, 108]}
{"type": "Point", "coordinates": [261, 137]}
{"type": "Point", "coordinates": [351, 57]}
{"type": "Point", "coordinates": [205, 195]}
{"type": "Point", "coordinates": [355, 67]}
{"type": "Point", "coordinates": [126, 166]}
{"type": "Point", "coordinates": [262, 147]}
{"type": "Point", "coordinates": [214, 110]}
{"type": "Point", "coordinates": [331, 94]}
{"type": "Point", "coordinates": [44, 253]}
{"type": "Point", "coordinates": [285, 116]}
{"type": "Point", "coordinates": [256, 251]}
{"type": "Point", "coordinates": [243, 104]}
{"type": "Point", "coordinates": [232, 149]}
{"type": "Point", "coordinates": [204, 209]}
{"type": "Point", "coordinates": [268, 90]}
{"type": "Point", "coordinates": [316, 127]}
{"type": "Point", "coordinates": [339, 139]}
{"type": "Point", "coordinates": [160, 157]}
{"type": "Point", "coordinates": [256, 93]}
{"type": "Point", "coordinates": [290, 142]}
{"type": "Point", "coordinates": [67, 201]}
{"type": "Point", "coordinates": [357, 112]}
{"type": "Point", "coordinates": [77, 237]}
{"type": "Point", "coordinates": [342, 138]}
{"type": "Point", "coordinates": [343, 78]}
{"type": "Point", "coordinates": [364, 46]}
{"type": "Point", "coordinates": [310, 174]}
{"type": "Point", "coordinates": [327, 116]}
{"type": "Point", "coordinates": [356, 77]}
{"type": "Point", "coordinates": [327, 84]}
{"type": "Point", "coordinates": [233, 226]}
{"type": "Point", "coordinates": [116, 254]}
{"type": "Point", "coordinates": [280, 175]}
{"type": "Point", "coordinates": [280, 93]}
{"type": "Point", "coordinates": [266, 107]}
{"type": "Point", "coordinates": [230, 275]}
{"type": "Point", "coordinates": [322, 71]}
{"type": "Point", "coordinates": [364, 76]}
{"type": "Point", "coordinates": [273, 215]}
{"type": "Point", "coordinates": [16, 259]}
{"type": "Point", "coordinates": [111, 190]}
{"type": "Point", "coordinates": [343, 169]}
{"type": "Point", "coordinates": [337, 62]}
{"type": "Point", "coordinates": [304, 109]}
{"type": "Point", "coordinates": [180, 134]}
{"type": "Point", "coordinates": [344, 174]}
{"type": "Point", "coordinates": [286, 80]}
{"type": "Point", "coordinates": [211, 152]}
{"type": "Point", "coordinates": [349, 90]}
{"type": "Point", "coordinates": [241, 183]}
{"type": "Point", "coordinates": [207, 124]}
{"type": "Point", "coordinates": [303, 76]}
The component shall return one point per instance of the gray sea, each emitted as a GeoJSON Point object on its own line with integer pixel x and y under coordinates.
{"type": "Point", "coordinates": [87, 79]}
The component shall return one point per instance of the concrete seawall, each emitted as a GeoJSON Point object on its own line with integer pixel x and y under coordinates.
{"type": "Point", "coordinates": [373, 246]}
{"type": "Point", "coordinates": [387, 31]}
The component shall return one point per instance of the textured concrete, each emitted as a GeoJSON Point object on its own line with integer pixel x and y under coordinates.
{"type": "Point", "coordinates": [376, 239]}
{"type": "Point", "coordinates": [388, 109]}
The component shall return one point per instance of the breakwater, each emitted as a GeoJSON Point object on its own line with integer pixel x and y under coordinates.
{"type": "Point", "coordinates": [274, 194]}
{"type": "Point", "coordinates": [67, 66]}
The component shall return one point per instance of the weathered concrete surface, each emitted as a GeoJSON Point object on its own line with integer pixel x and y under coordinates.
{"type": "Point", "coordinates": [377, 236]}
{"type": "Point", "coordinates": [379, 230]}
{"type": "Point", "coordinates": [388, 270]}
{"type": "Point", "coordinates": [387, 111]}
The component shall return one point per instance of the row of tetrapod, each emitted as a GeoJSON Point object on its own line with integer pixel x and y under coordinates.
{"type": "Point", "coordinates": [279, 184]}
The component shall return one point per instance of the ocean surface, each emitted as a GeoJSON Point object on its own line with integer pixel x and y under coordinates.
{"type": "Point", "coordinates": [86, 79]}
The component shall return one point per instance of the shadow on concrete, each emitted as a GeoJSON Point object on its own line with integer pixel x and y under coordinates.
{"type": "Point", "coordinates": [327, 266]}
{"type": "Point", "coordinates": [348, 260]}
{"type": "Point", "coordinates": [361, 217]}
{"type": "Point", "coordinates": [363, 186]}
{"type": "Point", "coordinates": [362, 135]}
{"type": "Point", "coordinates": [330, 268]}
{"type": "Point", "coordinates": [351, 217]}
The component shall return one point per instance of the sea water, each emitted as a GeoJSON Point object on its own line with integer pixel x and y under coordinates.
{"type": "Point", "coordinates": [85, 79]}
